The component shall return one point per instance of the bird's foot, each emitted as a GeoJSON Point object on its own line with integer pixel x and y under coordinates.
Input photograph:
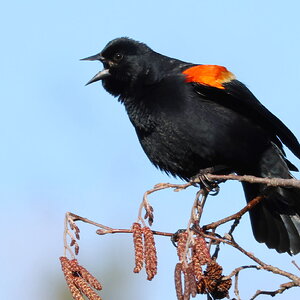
{"type": "Point", "coordinates": [212, 186]}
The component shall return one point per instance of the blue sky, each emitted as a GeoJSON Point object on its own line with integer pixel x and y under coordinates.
{"type": "Point", "coordinates": [67, 147]}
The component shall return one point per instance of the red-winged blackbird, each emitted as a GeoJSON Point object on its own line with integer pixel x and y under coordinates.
{"type": "Point", "coordinates": [190, 117]}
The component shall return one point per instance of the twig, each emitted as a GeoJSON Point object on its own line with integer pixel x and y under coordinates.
{"type": "Point", "coordinates": [235, 216]}
{"type": "Point", "coordinates": [86, 220]}
{"type": "Point", "coordinates": [103, 232]}
{"type": "Point", "coordinates": [237, 270]}
{"type": "Point", "coordinates": [236, 286]}
{"type": "Point", "coordinates": [295, 264]}
{"type": "Point", "coordinates": [283, 287]}
{"type": "Point", "coordinates": [145, 203]}
{"type": "Point", "coordinates": [69, 223]}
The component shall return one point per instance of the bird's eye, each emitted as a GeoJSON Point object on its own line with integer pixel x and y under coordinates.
{"type": "Point", "coordinates": [118, 56]}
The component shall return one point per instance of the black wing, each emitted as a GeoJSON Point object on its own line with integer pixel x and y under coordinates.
{"type": "Point", "coordinates": [239, 98]}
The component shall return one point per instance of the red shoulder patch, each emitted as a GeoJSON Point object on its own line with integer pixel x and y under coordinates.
{"type": "Point", "coordinates": [211, 75]}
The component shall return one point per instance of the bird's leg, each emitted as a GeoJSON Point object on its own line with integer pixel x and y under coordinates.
{"type": "Point", "coordinates": [212, 186]}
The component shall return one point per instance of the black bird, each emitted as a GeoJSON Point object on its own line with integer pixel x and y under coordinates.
{"type": "Point", "coordinates": [189, 117]}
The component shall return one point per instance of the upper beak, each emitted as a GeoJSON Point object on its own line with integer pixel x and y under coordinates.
{"type": "Point", "coordinates": [94, 57]}
{"type": "Point", "coordinates": [102, 74]}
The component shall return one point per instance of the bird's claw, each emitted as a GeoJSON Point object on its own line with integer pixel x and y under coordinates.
{"type": "Point", "coordinates": [212, 186]}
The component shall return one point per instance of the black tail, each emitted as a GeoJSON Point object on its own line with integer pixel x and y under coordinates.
{"type": "Point", "coordinates": [276, 220]}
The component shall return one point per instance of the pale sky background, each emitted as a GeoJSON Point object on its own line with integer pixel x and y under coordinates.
{"type": "Point", "coordinates": [67, 147]}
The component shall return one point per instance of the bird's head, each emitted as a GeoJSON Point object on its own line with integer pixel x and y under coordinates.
{"type": "Point", "coordinates": [126, 62]}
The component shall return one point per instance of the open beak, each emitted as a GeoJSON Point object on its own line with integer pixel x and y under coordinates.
{"type": "Point", "coordinates": [102, 74]}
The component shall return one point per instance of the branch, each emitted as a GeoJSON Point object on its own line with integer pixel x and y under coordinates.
{"type": "Point", "coordinates": [263, 265]}
{"type": "Point", "coordinates": [199, 269]}
{"type": "Point", "coordinates": [252, 179]}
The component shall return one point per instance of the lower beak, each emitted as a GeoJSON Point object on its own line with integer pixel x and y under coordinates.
{"type": "Point", "coordinates": [99, 76]}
